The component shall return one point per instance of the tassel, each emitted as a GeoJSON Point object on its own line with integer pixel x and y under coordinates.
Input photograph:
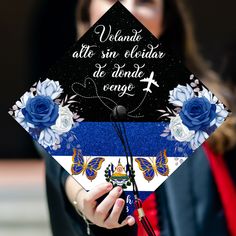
{"type": "Point", "coordinates": [143, 218]}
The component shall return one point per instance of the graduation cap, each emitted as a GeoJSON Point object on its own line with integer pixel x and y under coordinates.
{"type": "Point", "coordinates": [119, 108]}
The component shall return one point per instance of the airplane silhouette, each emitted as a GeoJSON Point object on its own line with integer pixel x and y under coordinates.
{"type": "Point", "coordinates": [150, 81]}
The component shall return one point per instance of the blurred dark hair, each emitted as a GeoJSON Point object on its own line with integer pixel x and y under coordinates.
{"type": "Point", "coordinates": [228, 68]}
{"type": "Point", "coordinates": [178, 37]}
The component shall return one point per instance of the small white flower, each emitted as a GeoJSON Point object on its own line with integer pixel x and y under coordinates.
{"type": "Point", "coordinates": [199, 139]}
{"type": "Point", "coordinates": [23, 100]}
{"type": "Point", "coordinates": [19, 117]}
{"type": "Point", "coordinates": [49, 88]}
{"type": "Point", "coordinates": [64, 122]}
{"type": "Point", "coordinates": [180, 94]}
{"type": "Point", "coordinates": [48, 138]}
{"type": "Point", "coordinates": [179, 131]}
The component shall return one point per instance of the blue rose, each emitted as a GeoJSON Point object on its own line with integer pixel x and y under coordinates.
{"type": "Point", "coordinates": [41, 111]}
{"type": "Point", "coordinates": [198, 113]}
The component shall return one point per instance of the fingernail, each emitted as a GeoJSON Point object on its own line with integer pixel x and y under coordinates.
{"type": "Point", "coordinates": [120, 190]}
{"type": "Point", "coordinates": [130, 220]}
{"type": "Point", "coordinates": [109, 186]}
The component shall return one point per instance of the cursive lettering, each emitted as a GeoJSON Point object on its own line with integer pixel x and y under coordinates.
{"type": "Point", "coordinates": [106, 35]}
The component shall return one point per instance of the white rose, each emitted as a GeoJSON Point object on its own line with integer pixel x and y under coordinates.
{"type": "Point", "coordinates": [221, 112]}
{"type": "Point", "coordinates": [180, 94]}
{"type": "Point", "coordinates": [179, 131]}
{"type": "Point", "coordinates": [48, 138]}
{"type": "Point", "coordinates": [19, 117]}
{"type": "Point", "coordinates": [24, 99]}
{"type": "Point", "coordinates": [64, 121]}
{"type": "Point", "coordinates": [208, 95]}
{"type": "Point", "coordinates": [49, 88]}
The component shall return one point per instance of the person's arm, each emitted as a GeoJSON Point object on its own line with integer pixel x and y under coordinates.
{"type": "Point", "coordinates": [98, 214]}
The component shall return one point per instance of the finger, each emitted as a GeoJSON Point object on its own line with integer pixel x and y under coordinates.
{"type": "Point", "coordinates": [130, 220]}
{"type": "Point", "coordinates": [98, 191]}
{"type": "Point", "coordinates": [104, 207]}
{"type": "Point", "coordinates": [113, 218]}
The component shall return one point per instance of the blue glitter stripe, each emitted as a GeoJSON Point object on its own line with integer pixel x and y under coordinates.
{"type": "Point", "coordinates": [100, 139]}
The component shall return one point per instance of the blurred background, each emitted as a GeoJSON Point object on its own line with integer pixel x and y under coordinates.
{"type": "Point", "coordinates": [34, 34]}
